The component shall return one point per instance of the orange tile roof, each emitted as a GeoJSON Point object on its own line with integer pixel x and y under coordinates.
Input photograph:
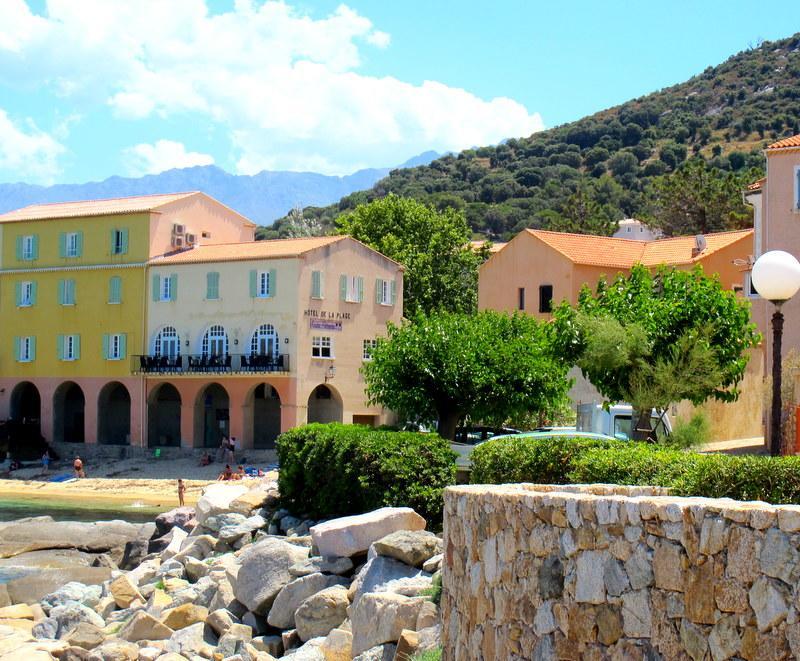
{"type": "Point", "coordinates": [227, 252]}
{"type": "Point", "coordinates": [79, 209]}
{"type": "Point", "coordinates": [794, 141]}
{"type": "Point", "coordinates": [757, 185]}
{"type": "Point", "coordinates": [624, 253]}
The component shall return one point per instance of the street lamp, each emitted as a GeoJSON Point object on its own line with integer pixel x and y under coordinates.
{"type": "Point", "coordinates": [776, 277]}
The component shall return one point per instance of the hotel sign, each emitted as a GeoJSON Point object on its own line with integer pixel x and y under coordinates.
{"type": "Point", "coordinates": [326, 325]}
{"type": "Point", "coordinates": [326, 320]}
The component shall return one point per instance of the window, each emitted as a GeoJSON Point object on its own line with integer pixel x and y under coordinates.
{"type": "Point", "coordinates": [165, 289]}
{"type": "Point", "coordinates": [167, 343]}
{"type": "Point", "coordinates": [119, 241]}
{"type": "Point", "coordinates": [212, 286]}
{"type": "Point", "coordinates": [263, 284]}
{"type": "Point", "coordinates": [114, 346]}
{"type": "Point", "coordinates": [384, 291]}
{"type": "Point", "coordinates": [25, 349]}
{"type": "Point", "coordinates": [26, 294]}
{"type": "Point", "coordinates": [545, 298]}
{"type": "Point", "coordinates": [316, 285]}
{"type": "Point", "coordinates": [70, 244]}
{"type": "Point", "coordinates": [521, 298]}
{"type": "Point", "coordinates": [66, 292]}
{"type": "Point", "coordinates": [215, 342]}
{"type": "Point", "coordinates": [321, 347]}
{"type": "Point", "coordinates": [115, 290]}
{"type": "Point", "coordinates": [27, 248]}
{"type": "Point", "coordinates": [264, 341]}
{"type": "Point", "coordinates": [749, 289]}
{"type": "Point", "coordinates": [366, 352]}
{"type": "Point", "coordinates": [351, 288]}
{"type": "Point", "coordinates": [69, 347]}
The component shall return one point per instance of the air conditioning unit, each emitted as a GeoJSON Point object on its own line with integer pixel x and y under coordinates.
{"type": "Point", "coordinates": [178, 229]}
{"type": "Point", "coordinates": [177, 242]}
{"type": "Point", "coordinates": [191, 239]}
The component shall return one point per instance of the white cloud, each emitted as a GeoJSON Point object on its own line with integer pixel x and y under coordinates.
{"type": "Point", "coordinates": [27, 152]}
{"type": "Point", "coordinates": [162, 155]}
{"type": "Point", "coordinates": [285, 85]}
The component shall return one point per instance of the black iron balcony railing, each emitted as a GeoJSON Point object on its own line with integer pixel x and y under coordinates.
{"type": "Point", "coordinates": [199, 364]}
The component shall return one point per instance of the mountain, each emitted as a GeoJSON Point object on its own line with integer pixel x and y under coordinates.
{"type": "Point", "coordinates": [614, 162]}
{"type": "Point", "coordinates": [262, 197]}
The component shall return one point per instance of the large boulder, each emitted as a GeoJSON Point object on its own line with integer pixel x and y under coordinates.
{"type": "Point", "coordinates": [197, 639]}
{"type": "Point", "coordinates": [265, 495]}
{"type": "Point", "coordinates": [232, 533]}
{"type": "Point", "coordinates": [115, 650]}
{"type": "Point", "coordinates": [281, 615]}
{"type": "Point", "coordinates": [379, 618]}
{"type": "Point", "coordinates": [30, 589]}
{"type": "Point", "coordinates": [322, 612]}
{"type": "Point", "coordinates": [184, 616]}
{"type": "Point", "coordinates": [85, 635]}
{"type": "Point", "coordinates": [71, 615]}
{"type": "Point", "coordinates": [88, 595]}
{"type": "Point", "coordinates": [124, 591]}
{"type": "Point", "coordinates": [382, 574]}
{"type": "Point", "coordinates": [174, 540]}
{"type": "Point", "coordinates": [216, 499]}
{"type": "Point", "coordinates": [351, 535]}
{"type": "Point", "coordinates": [264, 572]}
{"type": "Point", "coordinates": [199, 547]}
{"type": "Point", "coordinates": [182, 517]}
{"type": "Point", "coordinates": [317, 564]}
{"type": "Point", "coordinates": [143, 626]}
{"type": "Point", "coordinates": [412, 547]}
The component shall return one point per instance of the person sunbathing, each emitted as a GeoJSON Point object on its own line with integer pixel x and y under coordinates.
{"type": "Point", "coordinates": [227, 474]}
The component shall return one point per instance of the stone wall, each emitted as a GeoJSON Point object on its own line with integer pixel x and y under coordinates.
{"type": "Point", "coordinates": [603, 572]}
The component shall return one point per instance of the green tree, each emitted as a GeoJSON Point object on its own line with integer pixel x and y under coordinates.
{"type": "Point", "coordinates": [445, 367]}
{"type": "Point", "coordinates": [654, 339]}
{"type": "Point", "coordinates": [582, 214]}
{"type": "Point", "coordinates": [441, 269]}
{"type": "Point", "coordinates": [698, 199]}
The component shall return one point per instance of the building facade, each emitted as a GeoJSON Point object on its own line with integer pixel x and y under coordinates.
{"type": "Point", "coordinates": [159, 321]}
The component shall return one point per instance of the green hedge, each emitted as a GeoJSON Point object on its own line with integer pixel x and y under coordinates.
{"type": "Point", "coordinates": [581, 461]}
{"type": "Point", "coordinates": [329, 470]}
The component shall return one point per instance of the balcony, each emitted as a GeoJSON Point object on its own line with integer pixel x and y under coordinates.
{"type": "Point", "coordinates": [199, 364]}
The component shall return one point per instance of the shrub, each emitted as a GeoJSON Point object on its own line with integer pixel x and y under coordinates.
{"type": "Point", "coordinates": [330, 470]}
{"type": "Point", "coordinates": [525, 459]}
{"type": "Point", "coordinates": [691, 433]}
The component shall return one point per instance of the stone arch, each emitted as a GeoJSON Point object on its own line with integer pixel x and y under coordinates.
{"type": "Point", "coordinates": [211, 416]}
{"type": "Point", "coordinates": [325, 404]}
{"type": "Point", "coordinates": [114, 415]}
{"type": "Point", "coordinates": [265, 403]}
{"type": "Point", "coordinates": [69, 407]}
{"type": "Point", "coordinates": [26, 403]}
{"type": "Point", "coordinates": [164, 417]}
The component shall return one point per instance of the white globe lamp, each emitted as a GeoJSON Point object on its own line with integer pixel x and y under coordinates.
{"type": "Point", "coordinates": [776, 277]}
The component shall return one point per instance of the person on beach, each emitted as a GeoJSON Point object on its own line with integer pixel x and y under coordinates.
{"type": "Point", "coordinates": [223, 449]}
{"type": "Point", "coordinates": [77, 466]}
{"type": "Point", "coordinates": [226, 475]}
{"type": "Point", "coordinates": [181, 492]}
{"type": "Point", "coordinates": [205, 460]}
{"type": "Point", "coordinates": [231, 448]}
{"type": "Point", "coordinates": [45, 462]}
{"type": "Point", "coordinates": [240, 474]}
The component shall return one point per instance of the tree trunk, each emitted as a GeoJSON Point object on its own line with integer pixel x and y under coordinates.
{"type": "Point", "coordinates": [448, 421]}
{"type": "Point", "coordinates": [642, 431]}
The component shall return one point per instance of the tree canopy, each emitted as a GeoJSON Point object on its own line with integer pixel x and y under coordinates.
{"type": "Point", "coordinates": [443, 368]}
{"type": "Point", "coordinates": [653, 339]}
{"type": "Point", "coordinates": [441, 268]}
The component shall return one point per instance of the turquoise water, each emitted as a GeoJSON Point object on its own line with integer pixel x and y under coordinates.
{"type": "Point", "coordinates": [20, 508]}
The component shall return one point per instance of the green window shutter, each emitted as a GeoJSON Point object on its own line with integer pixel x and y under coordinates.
{"type": "Point", "coordinates": [315, 284]}
{"type": "Point", "coordinates": [80, 244]}
{"type": "Point", "coordinates": [393, 292]}
{"type": "Point", "coordinates": [273, 283]}
{"type": "Point", "coordinates": [33, 348]}
{"type": "Point", "coordinates": [343, 287]}
{"type": "Point", "coordinates": [19, 248]}
{"type": "Point", "coordinates": [60, 346]}
{"type": "Point", "coordinates": [156, 287]}
{"type": "Point", "coordinates": [36, 246]}
{"type": "Point", "coordinates": [114, 289]}
{"type": "Point", "coordinates": [17, 343]}
{"type": "Point", "coordinates": [360, 283]}
{"type": "Point", "coordinates": [106, 342]}
{"type": "Point", "coordinates": [62, 286]}
{"type": "Point", "coordinates": [173, 287]}
{"type": "Point", "coordinates": [34, 288]}
{"type": "Point", "coordinates": [211, 285]}
{"type": "Point", "coordinates": [18, 292]}
{"type": "Point", "coordinates": [77, 345]}
{"type": "Point", "coordinates": [123, 345]}
{"type": "Point", "coordinates": [111, 241]}
{"type": "Point", "coordinates": [253, 283]}
{"type": "Point", "coordinates": [124, 233]}
{"type": "Point", "coordinates": [62, 244]}
{"type": "Point", "coordinates": [378, 290]}
{"type": "Point", "coordinates": [72, 293]}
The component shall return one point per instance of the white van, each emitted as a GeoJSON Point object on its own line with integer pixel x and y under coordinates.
{"type": "Point", "coordinates": [618, 421]}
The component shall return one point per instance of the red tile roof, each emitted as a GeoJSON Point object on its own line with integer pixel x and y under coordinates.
{"type": "Point", "coordinates": [226, 252]}
{"type": "Point", "coordinates": [624, 253]}
{"type": "Point", "coordinates": [794, 141]}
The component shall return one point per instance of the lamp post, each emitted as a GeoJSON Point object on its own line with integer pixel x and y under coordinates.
{"type": "Point", "coordinates": [776, 277]}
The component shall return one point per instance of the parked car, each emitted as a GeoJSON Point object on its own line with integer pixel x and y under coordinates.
{"type": "Point", "coordinates": [617, 421]}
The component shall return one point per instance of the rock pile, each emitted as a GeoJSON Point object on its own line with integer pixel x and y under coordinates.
{"type": "Point", "coordinates": [238, 579]}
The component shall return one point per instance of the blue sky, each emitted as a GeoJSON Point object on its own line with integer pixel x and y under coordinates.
{"type": "Point", "coordinates": [94, 88]}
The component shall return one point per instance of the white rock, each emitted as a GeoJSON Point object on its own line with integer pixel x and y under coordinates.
{"type": "Point", "coordinates": [216, 499]}
{"type": "Point", "coordinates": [264, 572]}
{"type": "Point", "coordinates": [281, 615]}
{"type": "Point", "coordinates": [350, 535]}
{"type": "Point", "coordinates": [380, 618]}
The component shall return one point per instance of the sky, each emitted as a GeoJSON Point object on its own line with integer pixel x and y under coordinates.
{"type": "Point", "coordinates": [95, 88]}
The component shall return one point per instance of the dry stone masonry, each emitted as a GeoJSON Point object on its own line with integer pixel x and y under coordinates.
{"type": "Point", "coordinates": [606, 572]}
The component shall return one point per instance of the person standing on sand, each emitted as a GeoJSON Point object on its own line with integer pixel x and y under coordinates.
{"type": "Point", "coordinates": [230, 459]}
{"type": "Point", "coordinates": [223, 449]}
{"type": "Point", "coordinates": [181, 492]}
{"type": "Point", "coordinates": [45, 462]}
{"type": "Point", "coordinates": [77, 466]}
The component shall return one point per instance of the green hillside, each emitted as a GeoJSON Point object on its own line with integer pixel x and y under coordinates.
{"type": "Point", "coordinates": [585, 175]}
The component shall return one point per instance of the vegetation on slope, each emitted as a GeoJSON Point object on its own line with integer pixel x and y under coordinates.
{"type": "Point", "coordinates": [586, 175]}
